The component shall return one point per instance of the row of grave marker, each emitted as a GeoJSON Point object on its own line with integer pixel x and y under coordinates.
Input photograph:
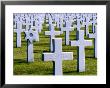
{"type": "Point", "coordinates": [67, 28]}
{"type": "Point", "coordinates": [33, 25]}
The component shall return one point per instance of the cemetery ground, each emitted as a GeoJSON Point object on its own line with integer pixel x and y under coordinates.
{"type": "Point", "coordinates": [39, 67]}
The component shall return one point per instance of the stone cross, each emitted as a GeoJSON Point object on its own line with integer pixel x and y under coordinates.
{"type": "Point", "coordinates": [87, 23]}
{"type": "Point", "coordinates": [67, 29]}
{"type": "Point", "coordinates": [78, 23]}
{"type": "Point", "coordinates": [18, 31]}
{"type": "Point", "coordinates": [16, 18]}
{"type": "Point", "coordinates": [81, 43]}
{"type": "Point", "coordinates": [40, 22]}
{"type": "Point", "coordinates": [57, 21]}
{"type": "Point", "coordinates": [93, 23]}
{"type": "Point", "coordinates": [57, 56]}
{"type": "Point", "coordinates": [52, 34]}
{"type": "Point", "coordinates": [38, 25]}
{"type": "Point", "coordinates": [83, 18]}
{"type": "Point", "coordinates": [61, 23]}
{"type": "Point", "coordinates": [94, 35]}
{"type": "Point", "coordinates": [28, 21]}
{"type": "Point", "coordinates": [49, 20]}
{"type": "Point", "coordinates": [31, 36]}
{"type": "Point", "coordinates": [47, 17]}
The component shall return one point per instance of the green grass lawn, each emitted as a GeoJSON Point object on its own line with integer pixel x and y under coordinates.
{"type": "Point", "coordinates": [39, 67]}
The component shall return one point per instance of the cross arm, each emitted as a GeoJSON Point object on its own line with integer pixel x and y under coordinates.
{"type": "Point", "coordinates": [88, 43]}
{"type": "Point", "coordinates": [48, 57]}
{"type": "Point", "coordinates": [67, 55]}
{"type": "Point", "coordinates": [47, 32]}
{"type": "Point", "coordinates": [57, 32]}
{"type": "Point", "coordinates": [74, 43]}
{"type": "Point", "coordinates": [91, 35]}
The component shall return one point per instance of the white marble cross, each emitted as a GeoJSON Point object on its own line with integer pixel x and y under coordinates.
{"type": "Point", "coordinates": [87, 23]}
{"type": "Point", "coordinates": [93, 23]}
{"type": "Point", "coordinates": [83, 18]}
{"type": "Point", "coordinates": [40, 22]}
{"type": "Point", "coordinates": [57, 56]}
{"type": "Point", "coordinates": [38, 25]}
{"type": "Point", "coordinates": [50, 20]}
{"type": "Point", "coordinates": [16, 18]}
{"type": "Point", "coordinates": [52, 34]}
{"type": "Point", "coordinates": [28, 21]}
{"type": "Point", "coordinates": [94, 35]}
{"type": "Point", "coordinates": [18, 31]}
{"type": "Point", "coordinates": [61, 23]}
{"type": "Point", "coordinates": [31, 36]}
{"type": "Point", "coordinates": [78, 25]}
{"type": "Point", "coordinates": [57, 21]}
{"type": "Point", "coordinates": [81, 43]}
{"type": "Point", "coordinates": [67, 29]}
{"type": "Point", "coordinates": [47, 17]}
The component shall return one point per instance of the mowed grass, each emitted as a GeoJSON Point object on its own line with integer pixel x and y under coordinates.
{"type": "Point", "coordinates": [39, 67]}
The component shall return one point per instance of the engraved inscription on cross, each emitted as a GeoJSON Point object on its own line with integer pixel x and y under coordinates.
{"type": "Point", "coordinates": [81, 43]}
{"type": "Point", "coordinates": [57, 56]}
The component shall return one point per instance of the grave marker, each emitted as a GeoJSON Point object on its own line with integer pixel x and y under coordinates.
{"type": "Point", "coordinates": [81, 43]}
{"type": "Point", "coordinates": [57, 56]}
{"type": "Point", "coordinates": [87, 23]}
{"type": "Point", "coordinates": [94, 35]}
{"type": "Point", "coordinates": [78, 24]}
{"type": "Point", "coordinates": [52, 34]}
{"type": "Point", "coordinates": [30, 37]}
{"type": "Point", "coordinates": [93, 23]}
{"type": "Point", "coordinates": [18, 31]}
{"type": "Point", "coordinates": [67, 30]}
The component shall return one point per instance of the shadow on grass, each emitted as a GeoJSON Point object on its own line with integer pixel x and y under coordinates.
{"type": "Point", "coordinates": [37, 51]}
{"type": "Point", "coordinates": [45, 51]}
{"type": "Point", "coordinates": [37, 59]}
{"type": "Point", "coordinates": [40, 51]}
{"type": "Point", "coordinates": [42, 44]}
{"type": "Point", "coordinates": [18, 61]}
{"type": "Point", "coordinates": [50, 73]}
{"type": "Point", "coordinates": [64, 73]}
{"type": "Point", "coordinates": [75, 73]}
{"type": "Point", "coordinates": [91, 57]}
{"type": "Point", "coordinates": [70, 72]}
